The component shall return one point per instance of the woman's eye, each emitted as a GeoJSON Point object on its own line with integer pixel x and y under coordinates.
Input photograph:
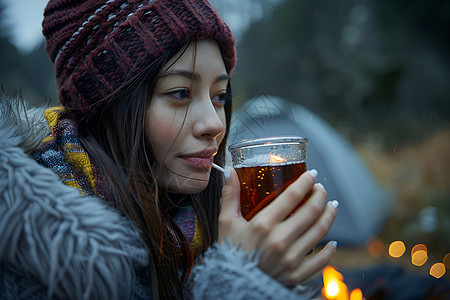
{"type": "Point", "coordinates": [182, 94]}
{"type": "Point", "coordinates": [222, 97]}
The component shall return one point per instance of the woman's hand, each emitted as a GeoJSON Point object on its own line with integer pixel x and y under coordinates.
{"type": "Point", "coordinates": [284, 242]}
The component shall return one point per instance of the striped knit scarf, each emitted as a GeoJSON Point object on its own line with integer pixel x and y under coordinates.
{"type": "Point", "coordinates": [62, 152]}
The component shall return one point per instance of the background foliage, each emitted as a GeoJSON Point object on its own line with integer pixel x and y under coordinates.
{"type": "Point", "coordinates": [377, 70]}
{"type": "Point", "coordinates": [374, 69]}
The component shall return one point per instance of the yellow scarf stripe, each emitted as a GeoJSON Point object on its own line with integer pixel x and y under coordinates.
{"type": "Point", "coordinates": [77, 157]}
{"type": "Point", "coordinates": [74, 183]}
{"type": "Point", "coordinates": [197, 241]}
{"type": "Point", "coordinates": [82, 162]}
{"type": "Point", "coordinates": [53, 114]}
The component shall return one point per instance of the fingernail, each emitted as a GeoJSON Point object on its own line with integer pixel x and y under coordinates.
{"type": "Point", "coordinates": [335, 244]}
{"type": "Point", "coordinates": [314, 173]}
{"type": "Point", "coordinates": [320, 185]}
{"type": "Point", "coordinates": [335, 203]}
{"type": "Point", "coordinates": [227, 172]}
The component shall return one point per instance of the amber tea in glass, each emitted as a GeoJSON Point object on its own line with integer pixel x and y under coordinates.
{"type": "Point", "coordinates": [265, 168]}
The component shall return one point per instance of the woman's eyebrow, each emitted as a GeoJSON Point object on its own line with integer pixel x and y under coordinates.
{"type": "Point", "coordinates": [223, 77]}
{"type": "Point", "coordinates": [191, 75]}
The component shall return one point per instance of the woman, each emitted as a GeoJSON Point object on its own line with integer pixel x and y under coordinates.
{"type": "Point", "coordinates": [145, 89]}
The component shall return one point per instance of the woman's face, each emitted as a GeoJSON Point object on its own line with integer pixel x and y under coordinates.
{"type": "Point", "coordinates": [186, 116]}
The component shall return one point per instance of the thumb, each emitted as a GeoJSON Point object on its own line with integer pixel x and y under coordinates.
{"type": "Point", "coordinates": [231, 205]}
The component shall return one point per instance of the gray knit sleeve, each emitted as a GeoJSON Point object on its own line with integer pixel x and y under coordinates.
{"type": "Point", "coordinates": [229, 273]}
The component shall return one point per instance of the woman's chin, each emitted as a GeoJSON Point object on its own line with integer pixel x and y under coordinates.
{"type": "Point", "coordinates": [188, 185]}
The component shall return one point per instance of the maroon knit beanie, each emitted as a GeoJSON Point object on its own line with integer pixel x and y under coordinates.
{"type": "Point", "coordinates": [98, 45]}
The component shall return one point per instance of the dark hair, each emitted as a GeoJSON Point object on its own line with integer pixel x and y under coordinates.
{"type": "Point", "coordinates": [119, 148]}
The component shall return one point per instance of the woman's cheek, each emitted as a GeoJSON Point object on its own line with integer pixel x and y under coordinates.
{"type": "Point", "coordinates": [162, 129]}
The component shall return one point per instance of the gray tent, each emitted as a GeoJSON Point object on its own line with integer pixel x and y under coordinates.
{"type": "Point", "coordinates": [363, 204]}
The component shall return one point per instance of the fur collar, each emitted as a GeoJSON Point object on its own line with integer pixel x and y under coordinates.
{"type": "Point", "coordinates": [72, 246]}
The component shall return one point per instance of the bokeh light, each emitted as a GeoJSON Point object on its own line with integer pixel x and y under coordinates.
{"type": "Point", "coordinates": [419, 258]}
{"type": "Point", "coordinates": [356, 294]}
{"type": "Point", "coordinates": [332, 289]}
{"type": "Point", "coordinates": [418, 247]}
{"type": "Point", "coordinates": [333, 284]}
{"type": "Point", "coordinates": [375, 247]}
{"type": "Point", "coordinates": [437, 270]}
{"type": "Point", "coordinates": [397, 249]}
{"type": "Point", "coordinates": [447, 260]}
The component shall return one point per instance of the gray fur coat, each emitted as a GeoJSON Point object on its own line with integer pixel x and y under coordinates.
{"type": "Point", "coordinates": [57, 244]}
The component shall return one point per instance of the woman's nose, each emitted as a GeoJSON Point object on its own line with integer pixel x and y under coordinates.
{"type": "Point", "coordinates": [208, 123]}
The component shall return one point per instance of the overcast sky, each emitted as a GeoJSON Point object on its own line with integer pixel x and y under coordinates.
{"type": "Point", "coordinates": [24, 17]}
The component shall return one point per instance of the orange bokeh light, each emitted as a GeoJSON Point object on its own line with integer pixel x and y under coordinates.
{"type": "Point", "coordinates": [419, 258]}
{"type": "Point", "coordinates": [437, 270]}
{"type": "Point", "coordinates": [333, 285]}
{"type": "Point", "coordinates": [447, 260]}
{"type": "Point", "coordinates": [397, 249]}
{"type": "Point", "coordinates": [417, 248]}
{"type": "Point", "coordinates": [375, 247]}
{"type": "Point", "coordinates": [335, 288]}
{"type": "Point", "coordinates": [356, 294]}
{"type": "Point", "coordinates": [332, 289]}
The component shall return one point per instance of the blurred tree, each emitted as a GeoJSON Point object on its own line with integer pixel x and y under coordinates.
{"type": "Point", "coordinates": [414, 35]}
{"type": "Point", "coordinates": [30, 76]}
{"type": "Point", "coordinates": [40, 74]}
{"type": "Point", "coordinates": [9, 56]}
{"type": "Point", "coordinates": [366, 66]}
{"type": "Point", "coordinates": [240, 14]}
{"type": "Point", "coordinates": [378, 70]}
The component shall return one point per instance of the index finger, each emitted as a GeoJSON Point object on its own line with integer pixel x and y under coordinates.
{"type": "Point", "coordinates": [288, 200]}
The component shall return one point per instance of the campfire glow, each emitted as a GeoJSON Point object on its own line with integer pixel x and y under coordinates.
{"type": "Point", "coordinates": [335, 288]}
{"type": "Point", "coordinates": [276, 159]}
{"type": "Point", "coordinates": [356, 294]}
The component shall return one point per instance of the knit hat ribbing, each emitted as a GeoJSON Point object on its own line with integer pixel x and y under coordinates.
{"type": "Point", "coordinates": [98, 45]}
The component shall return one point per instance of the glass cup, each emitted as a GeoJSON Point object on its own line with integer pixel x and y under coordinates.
{"type": "Point", "coordinates": [265, 168]}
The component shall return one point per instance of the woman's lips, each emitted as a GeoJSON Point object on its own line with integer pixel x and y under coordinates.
{"type": "Point", "coordinates": [201, 160]}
